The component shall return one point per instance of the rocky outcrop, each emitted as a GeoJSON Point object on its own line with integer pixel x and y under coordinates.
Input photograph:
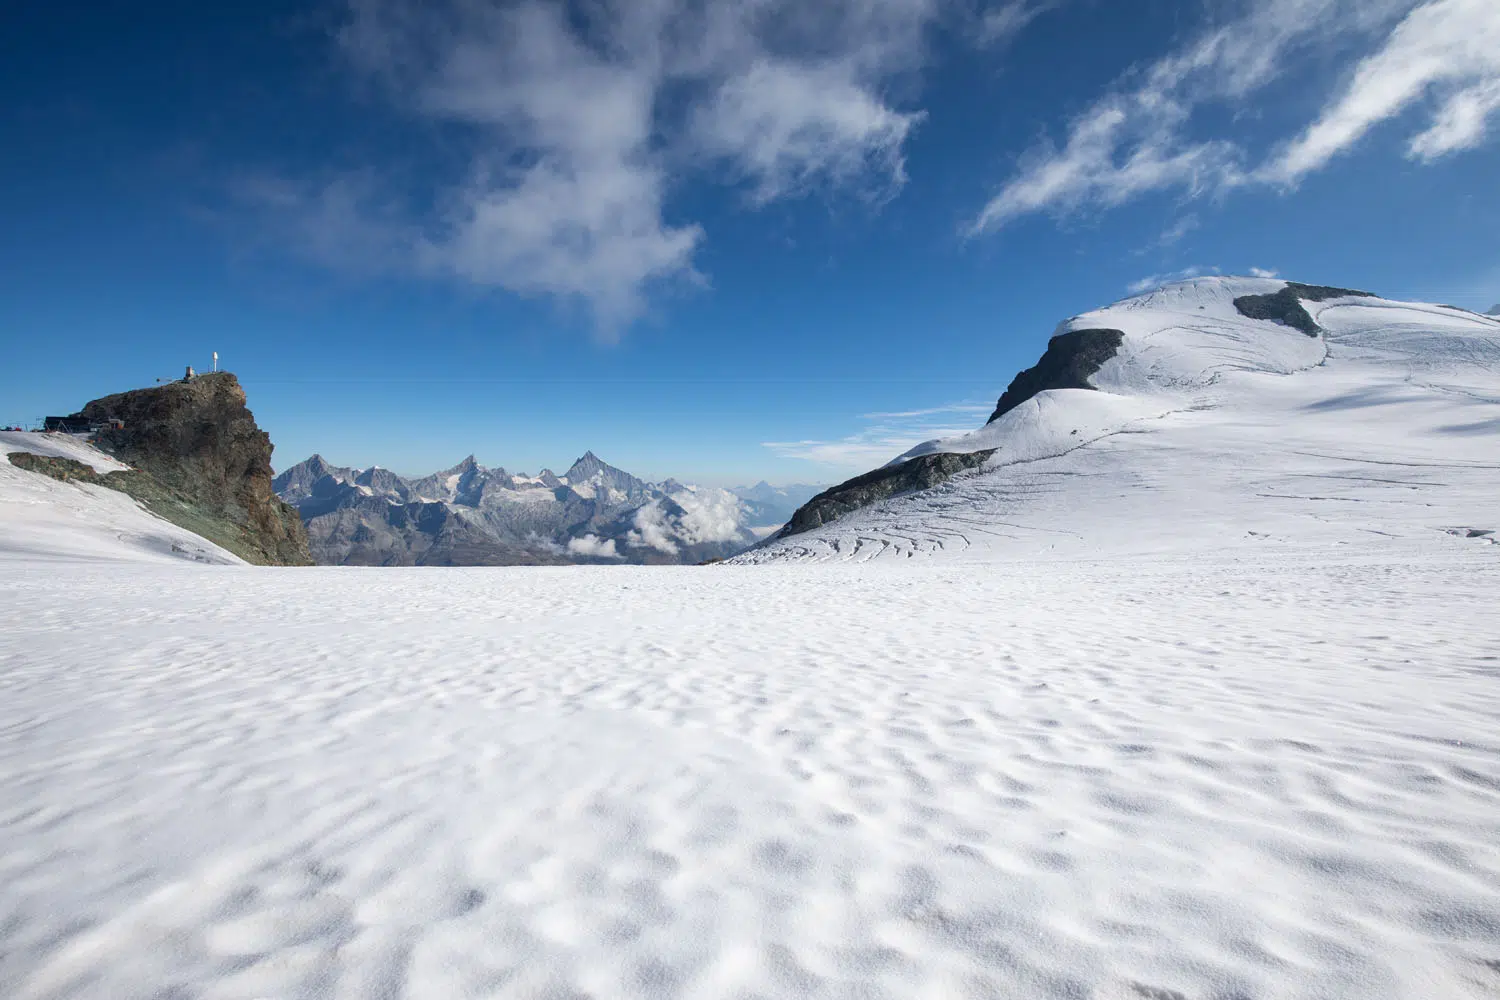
{"type": "Point", "coordinates": [872, 487]}
{"type": "Point", "coordinates": [1286, 306]}
{"type": "Point", "coordinates": [1067, 363]}
{"type": "Point", "coordinates": [201, 462]}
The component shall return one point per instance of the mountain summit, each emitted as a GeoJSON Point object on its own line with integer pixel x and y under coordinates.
{"type": "Point", "coordinates": [1208, 397]}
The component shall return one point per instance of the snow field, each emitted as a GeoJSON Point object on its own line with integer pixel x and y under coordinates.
{"type": "Point", "coordinates": [44, 520]}
{"type": "Point", "coordinates": [1222, 774]}
{"type": "Point", "coordinates": [59, 446]}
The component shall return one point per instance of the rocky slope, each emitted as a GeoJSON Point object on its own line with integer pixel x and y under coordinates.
{"type": "Point", "coordinates": [473, 515]}
{"type": "Point", "coordinates": [199, 460]}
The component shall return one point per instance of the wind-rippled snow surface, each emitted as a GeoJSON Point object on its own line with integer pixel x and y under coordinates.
{"type": "Point", "coordinates": [1224, 775]}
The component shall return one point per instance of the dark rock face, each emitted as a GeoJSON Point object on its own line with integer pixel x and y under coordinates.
{"type": "Point", "coordinates": [1068, 362]}
{"type": "Point", "coordinates": [1286, 306]}
{"type": "Point", "coordinates": [203, 453]}
{"type": "Point", "coordinates": [872, 487]}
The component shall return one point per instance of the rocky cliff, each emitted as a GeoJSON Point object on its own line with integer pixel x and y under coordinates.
{"type": "Point", "coordinates": [202, 463]}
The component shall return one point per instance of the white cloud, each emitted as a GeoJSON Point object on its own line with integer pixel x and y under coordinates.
{"type": "Point", "coordinates": [1261, 272]}
{"type": "Point", "coordinates": [709, 515]}
{"type": "Point", "coordinates": [1141, 137]}
{"type": "Point", "coordinates": [652, 530]}
{"type": "Point", "coordinates": [1446, 43]}
{"type": "Point", "coordinates": [593, 547]}
{"type": "Point", "coordinates": [1461, 124]}
{"type": "Point", "coordinates": [692, 515]}
{"type": "Point", "coordinates": [578, 118]}
{"type": "Point", "coordinates": [788, 127]}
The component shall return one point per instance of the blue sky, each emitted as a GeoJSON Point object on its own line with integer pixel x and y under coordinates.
{"type": "Point", "coordinates": [716, 240]}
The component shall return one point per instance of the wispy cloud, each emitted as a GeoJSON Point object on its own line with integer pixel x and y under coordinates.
{"type": "Point", "coordinates": [576, 120]}
{"type": "Point", "coordinates": [965, 408]}
{"type": "Point", "coordinates": [1001, 24]}
{"type": "Point", "coordinates": [1262, 272]}
{"type": "Point", "coordinates": [1450, 48]}
{"type": "Point", "coordinates": [889, 435]}
{"type": "Point", "coordinates": [1174, 233]}
{"type": "Point", "coordinates": [1140, 137]}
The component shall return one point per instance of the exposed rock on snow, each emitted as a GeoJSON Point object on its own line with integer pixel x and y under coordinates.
{"type": "Point", "coordinates": [1286, 306]}
{"type": "Point", "coordinates": [1201, 403]}
{"type": "Point", "coordinates": [1068, 362]}
{"type": "Point", "coordinates": [919, 473]}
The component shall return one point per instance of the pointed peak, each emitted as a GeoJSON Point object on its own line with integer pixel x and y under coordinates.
{"type": "Point", "coordinates": [586, 465]}
{"type": "Point", "coordinates": [1494, 310]}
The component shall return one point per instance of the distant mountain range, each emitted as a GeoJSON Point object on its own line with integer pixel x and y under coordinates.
{"type": "Point", "coordinates": [1494, 310]}
{"type": "Point", "coordinates": [471, 515]}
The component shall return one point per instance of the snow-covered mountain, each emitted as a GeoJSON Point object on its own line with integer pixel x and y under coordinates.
{"type": "Point", "coordinates": [54, 522]}
{"type": "Point", "coordinates": [1494, 310]}
{"type": "Point", "coordinates": [1257, 411]}
{"type": "Point", "coordinates": [473, 515]}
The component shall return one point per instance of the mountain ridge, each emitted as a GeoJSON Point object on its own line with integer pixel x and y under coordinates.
{"type": "Point", "coordinates": [469, 514]}
{"type": "Point", "coordinates": [1175, 350]}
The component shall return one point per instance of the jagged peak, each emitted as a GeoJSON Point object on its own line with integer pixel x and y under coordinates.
{"type": "Point", "coordinates": [587, 465]}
